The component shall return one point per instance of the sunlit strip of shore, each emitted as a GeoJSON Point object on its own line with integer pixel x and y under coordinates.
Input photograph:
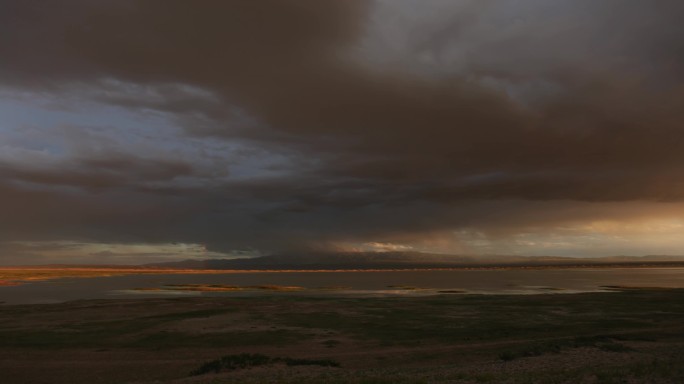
{"type": "Point", "coordinates": [12, 276]}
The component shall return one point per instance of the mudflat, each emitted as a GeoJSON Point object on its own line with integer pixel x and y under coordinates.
{"type": "Point", "coordinates": [629, 336]}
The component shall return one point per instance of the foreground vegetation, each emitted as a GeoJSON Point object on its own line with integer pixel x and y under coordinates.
{"type": "Point", "coordinates": [634, 336]}
{"type": "Point", "coordinates": [249, 360]}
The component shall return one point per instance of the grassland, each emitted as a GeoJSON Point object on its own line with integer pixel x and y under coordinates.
{"type": "Point", "coordinates": [629, 336]}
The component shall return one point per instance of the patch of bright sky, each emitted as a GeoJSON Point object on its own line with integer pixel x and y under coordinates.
{"type": "Point", "coordinates": [591, 239]}
{"type": "Point", "coordinates": [655, 236]}
{"type": "Point", "coordinates": [384, 247]}
{"type": "Point", "coordinates": [43, 130]}
{"type": "Point", "coordinates": [110, 253]}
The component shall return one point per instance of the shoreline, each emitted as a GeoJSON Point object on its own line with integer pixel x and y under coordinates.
{"type": "Point", "coordinates": [18, 275]}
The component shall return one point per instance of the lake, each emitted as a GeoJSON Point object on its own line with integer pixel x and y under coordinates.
{"type": "Point", "coordinates": [376, 283]}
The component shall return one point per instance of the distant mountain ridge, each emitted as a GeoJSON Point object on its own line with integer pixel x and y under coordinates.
{"type": "Point", "coordinates": [408, 260]}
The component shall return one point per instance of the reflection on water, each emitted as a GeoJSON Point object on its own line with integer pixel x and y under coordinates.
{"type": "Point", "coordinates": [413, 283]}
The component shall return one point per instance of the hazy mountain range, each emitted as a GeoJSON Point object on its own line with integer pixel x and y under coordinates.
{"type": "Point", "coordinates": [411, 260]}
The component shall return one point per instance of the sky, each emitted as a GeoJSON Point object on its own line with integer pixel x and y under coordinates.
{"type": "Point", "coordinates": [136, 131]}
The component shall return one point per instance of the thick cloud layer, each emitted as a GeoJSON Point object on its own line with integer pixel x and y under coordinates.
{"type": "Point", "coordinates": [277, 125]}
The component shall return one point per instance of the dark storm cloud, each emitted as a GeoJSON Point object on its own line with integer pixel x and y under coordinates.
{"type": "Point", "coordinates": [475, 108]}
{"type": "Point", "coordinates": [96, 174]}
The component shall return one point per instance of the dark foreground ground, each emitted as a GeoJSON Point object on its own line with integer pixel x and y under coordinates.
{"type": "Point", "coordinates": [635, 336]}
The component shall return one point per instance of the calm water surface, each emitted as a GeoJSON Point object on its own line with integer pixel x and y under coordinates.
{"type": "Point", "coordinates": [351, 283]}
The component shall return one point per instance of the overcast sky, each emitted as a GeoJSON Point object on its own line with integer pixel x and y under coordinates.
{"type": "Point", "coordinates": [140, 131]}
